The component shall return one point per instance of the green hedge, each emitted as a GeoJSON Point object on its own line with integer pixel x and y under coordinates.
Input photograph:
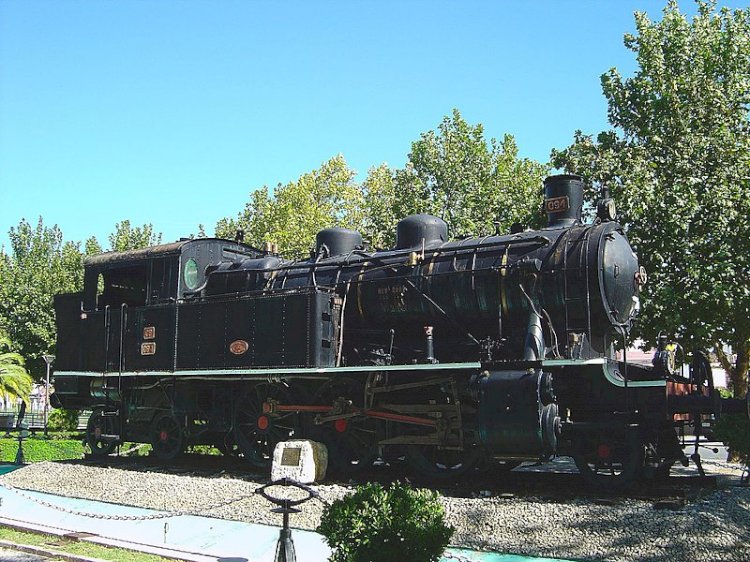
{"type": "Point", "coordinates": [734, 431]}
{"type": "Point", "coordinates": [63, 420]}
{"type": "Point", "coordinates": [377, 524]}
{"type": "Point", "coordinates": [38, 449]}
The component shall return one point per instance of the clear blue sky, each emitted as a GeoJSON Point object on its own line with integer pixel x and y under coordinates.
{"type": "Point", "coordinates": [172, 112]}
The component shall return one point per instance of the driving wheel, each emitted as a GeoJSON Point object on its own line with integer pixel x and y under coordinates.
{"type": "Point", "coordinates": [100, 433]}
{"type": "Point", "coordinates": [257, 428]}
{"type": "Point", "coordinates": [167, 436]}
{"type": "Point", "coordinates": [351, 439]}
{"type": "Point", "coordinates": [609, 459]}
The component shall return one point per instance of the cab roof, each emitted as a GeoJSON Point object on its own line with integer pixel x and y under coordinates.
{"type": "Point", "coordinates": [162, 250]}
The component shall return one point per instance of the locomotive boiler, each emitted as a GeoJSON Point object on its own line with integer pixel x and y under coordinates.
{"type": "Point", "coordinates": [442, 352]}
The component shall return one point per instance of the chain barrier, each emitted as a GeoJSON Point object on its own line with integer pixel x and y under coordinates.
{"type": "Point", "coordinates": [744, 470]}
{"type": "Point", "coordinates": [104, 516]}
{"type": "Point", "coordinates": [168, 514]}
{"type": "Point", "coordinates": [152, 516]}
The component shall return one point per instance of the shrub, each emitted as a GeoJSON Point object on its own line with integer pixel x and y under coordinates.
{"type": "Point", "coordinates": [734, 431]}
{"type": "Point", "coordinates": [63, 420]}
{"type": "Point", "coordinates": [377, 524]}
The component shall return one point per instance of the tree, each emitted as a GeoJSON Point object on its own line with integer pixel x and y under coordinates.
{"type": "Point", "coordinates": [453, 172]}
{"type": "Point", "coordinates": [15, 382]}
{"type": "Point", "coordinates": [381, 212]}
{"type": "Point", "coordinates": [39, 266]}
{"type": "Point", "coordinates": [126, 237]}
{"type": "Point", "coordinates": [678, 162]}
{"type": "Point", "coordinates": [293, 215]}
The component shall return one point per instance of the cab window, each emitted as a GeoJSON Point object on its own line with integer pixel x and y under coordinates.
{"type": "Point", "coordinates": [127, 285]}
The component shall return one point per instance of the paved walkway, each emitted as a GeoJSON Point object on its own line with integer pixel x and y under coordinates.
{"type": "Point", "coordinates": [7, 555]}
{"type": "Point", "coordinates": [201, 539]}
{"type": "Point", "coordinates": [186, 537]}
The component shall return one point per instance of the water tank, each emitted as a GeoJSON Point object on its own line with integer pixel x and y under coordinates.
{"type": "Point", "coordinates": [415, 230]}
{"type": "Point", "coordinates": [338, 241]}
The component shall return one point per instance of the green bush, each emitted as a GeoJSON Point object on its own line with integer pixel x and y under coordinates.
{"type": "Point", "coordinates": [734, 431]}
{"type": "Point", "coordinates": [377, 524]}
{"type": "Point", "coordinates": [63, 420]}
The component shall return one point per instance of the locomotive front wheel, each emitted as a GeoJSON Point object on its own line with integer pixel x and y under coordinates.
{"type": "Point", "coordinates": [433, 463]}
{"type": "Point", "coordinates": [256, 430]}
{"type": "Point", "coordinates": [99, 431]}
{"type": "Point", "coordinates": [610, 459]}
{"type": "Point", "coordinates": [167, 437]}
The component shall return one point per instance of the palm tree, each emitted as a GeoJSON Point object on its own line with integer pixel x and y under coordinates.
{"type": "Point", "coordinates": [15, 382]}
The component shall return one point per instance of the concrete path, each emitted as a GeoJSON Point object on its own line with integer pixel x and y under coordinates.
{"type": "Point", "coordinates": [184, 537]}
{"type": "Point", "coordinates": [7, 555]}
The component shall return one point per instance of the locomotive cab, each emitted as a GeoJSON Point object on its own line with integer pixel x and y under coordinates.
{"type": "Point", "coordinates": [126, 313]}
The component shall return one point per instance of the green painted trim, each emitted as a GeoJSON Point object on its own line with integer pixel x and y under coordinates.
{"type": "Point", "coordinates": [616, 380]}
{"type": "Point", "coordinates": [572, 362]}
{"type": "Point", "coordinates": [608, 369]}
{"type": "Point", "coordinates": [277, 371]}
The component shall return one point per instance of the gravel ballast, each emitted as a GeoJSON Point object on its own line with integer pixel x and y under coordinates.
{"type": "Point", "coordinates": [713, 527]}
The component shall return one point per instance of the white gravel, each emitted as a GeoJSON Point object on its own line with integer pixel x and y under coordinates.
{"type": "Point", "coordinates": [714, 527]}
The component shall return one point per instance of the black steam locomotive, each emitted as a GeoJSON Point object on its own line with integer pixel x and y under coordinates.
{"type": "Point", "coordinates": [446, 353]}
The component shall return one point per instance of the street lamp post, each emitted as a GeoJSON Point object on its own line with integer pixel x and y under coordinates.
{"type": "Point", "coordinates": [48, 359]}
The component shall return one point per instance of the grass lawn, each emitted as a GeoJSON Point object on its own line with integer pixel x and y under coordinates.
{"type": "Point", "coordinates": [72, 546]}
{"type": "Point", "coordinates": [37, 449]}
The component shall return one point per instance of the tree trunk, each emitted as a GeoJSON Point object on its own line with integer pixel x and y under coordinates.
{"type": "Point", "coordinates": [737, 372]}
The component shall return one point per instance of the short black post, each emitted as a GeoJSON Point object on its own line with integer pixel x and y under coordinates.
{"type": "Point", "coordinates": [21, 429]}
{"type": "Point", "coordinates": [19, 452]}
{"type": "Point", "coordinates": [285, 546]}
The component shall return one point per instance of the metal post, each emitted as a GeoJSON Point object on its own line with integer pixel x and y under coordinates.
{"type": "Point", "coordinates": [22, 433]}
{"type": "Point", "coordinates": [285, 545]}
{"type": "Point", "coordinates": [429, 345]}
{"type": "Point", "coordinates": [48, 359]}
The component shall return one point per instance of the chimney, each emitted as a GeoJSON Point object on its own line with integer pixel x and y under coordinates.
{"type": "Point", "coordinates": [563, 200]}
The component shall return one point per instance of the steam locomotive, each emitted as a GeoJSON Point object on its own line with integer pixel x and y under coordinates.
{"type": "Point", "coordinates": [445, 353]}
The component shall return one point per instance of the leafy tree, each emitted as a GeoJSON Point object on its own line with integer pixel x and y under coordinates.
{"type": "Point", "coordinates": [381, 212]}
{"type": "Point", "coordinates": [15, 382]}
{"type": "Point", "coordinates": [293, 215]}
{"type": "Point", "coordinates": [453, 172]}
{"type": "Point", "coordinates": [678, 162]}
{"type": "Point", "coordinates": [127, 237]}
{"type": "Point", "coordinates": [39, 266]}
